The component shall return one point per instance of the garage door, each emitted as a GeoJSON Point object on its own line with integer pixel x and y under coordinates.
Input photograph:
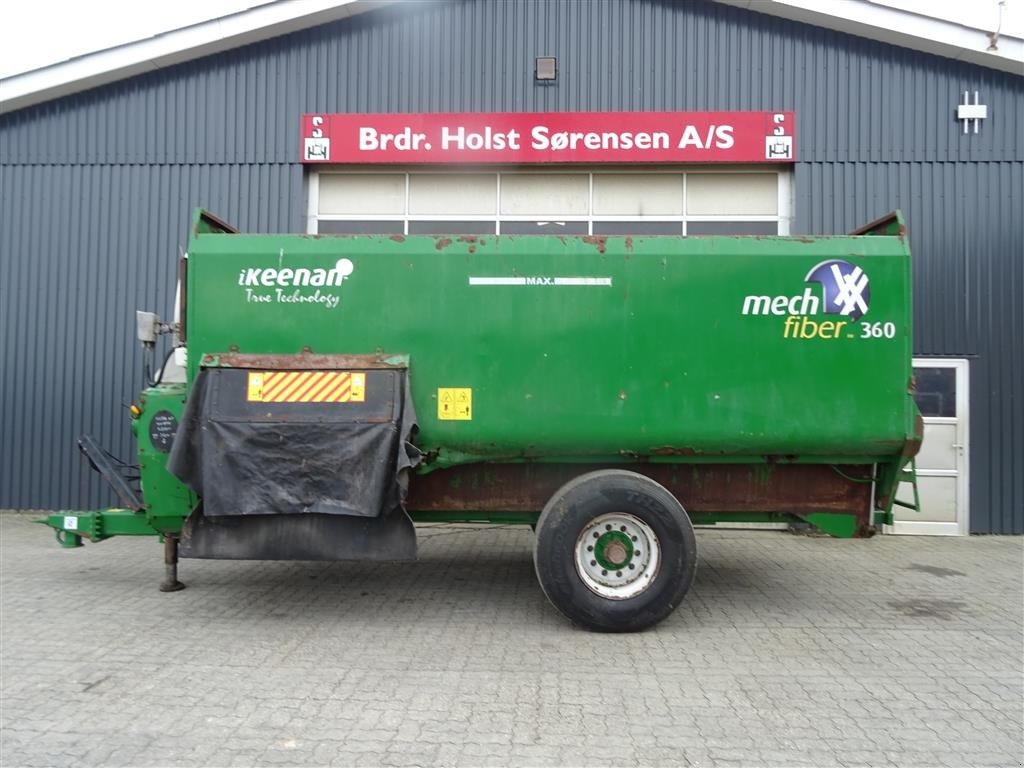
{"type": "Point", "coordinates": [526, 200]}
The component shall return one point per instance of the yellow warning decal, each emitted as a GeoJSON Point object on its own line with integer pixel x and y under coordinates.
{"type": "Point", "coordinates": [455, 403]}
{"type": "Point", "coordinates": [255, 388]}
{"type": "Point", "coordinates": [306, 387]}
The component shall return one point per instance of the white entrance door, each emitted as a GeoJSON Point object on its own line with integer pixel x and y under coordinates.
{"type": "Point", "coordinates": [942, 463]}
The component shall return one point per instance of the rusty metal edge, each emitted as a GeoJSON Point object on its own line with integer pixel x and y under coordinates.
{"type": "Point", "coordinates": [217, 223]}
{"type": "Point", "coordinates": [304, 361]}
{"type": "Point", "coordinates": [879, 225]}
{"type": "Point", "coordinates": [711, 488]}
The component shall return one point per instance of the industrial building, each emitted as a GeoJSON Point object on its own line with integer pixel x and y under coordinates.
{"type": "Point", "coordinates": [612, 117]}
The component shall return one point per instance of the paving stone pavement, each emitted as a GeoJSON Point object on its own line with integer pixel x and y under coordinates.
{"type": "Point", "coordinates": [788, 651]}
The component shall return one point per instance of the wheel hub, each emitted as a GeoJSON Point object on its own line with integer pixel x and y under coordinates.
{"type": "Point", "coordinates": [617, 555]}
{"type": "Point", "coordinates": [613, 549]}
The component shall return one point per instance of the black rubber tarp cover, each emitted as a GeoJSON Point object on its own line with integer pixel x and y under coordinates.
{"type": "Point", "coordinates": [257, 458]}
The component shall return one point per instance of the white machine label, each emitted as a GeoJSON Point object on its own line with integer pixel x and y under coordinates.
{"type": "Point", "coordinates": [541, 280]}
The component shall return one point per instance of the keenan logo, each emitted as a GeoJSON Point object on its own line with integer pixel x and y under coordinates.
{"type": "Point", "coordinates": [292, 286]}
{"type": "Point", "coordinates": [268, 276]}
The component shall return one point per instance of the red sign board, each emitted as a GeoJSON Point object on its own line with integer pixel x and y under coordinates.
{"type": "Point", "coordinates": [551, 137]}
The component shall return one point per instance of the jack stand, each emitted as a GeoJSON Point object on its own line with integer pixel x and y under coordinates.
{"type": "Point", "coordinates": [170, 582]}
{"type": "Point", "coordinates": [69, 540]}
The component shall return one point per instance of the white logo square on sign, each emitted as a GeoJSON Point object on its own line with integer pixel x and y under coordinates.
{"type": "Point", "coordinates": [778, 147]}
{"type": "Point", "coordinates": [317, 149]}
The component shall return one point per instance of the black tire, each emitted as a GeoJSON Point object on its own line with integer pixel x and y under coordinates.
{"type": "Point", "coordinates": [570, 513]}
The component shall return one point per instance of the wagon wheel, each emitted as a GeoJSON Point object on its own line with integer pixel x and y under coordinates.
{"type": "Point", "coordinates": [614, 551]}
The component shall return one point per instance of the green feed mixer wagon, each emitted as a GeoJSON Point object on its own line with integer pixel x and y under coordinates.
{"type": "Point", "coordinates": [325, 393]}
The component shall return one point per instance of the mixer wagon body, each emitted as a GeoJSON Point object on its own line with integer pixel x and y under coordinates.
{"type": "Point", "coordinates": [336, 387]}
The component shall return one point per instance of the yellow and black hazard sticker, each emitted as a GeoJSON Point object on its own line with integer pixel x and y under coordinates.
{"type": "Point", "coordinates": [306, 387]}
{"type": "Point", "coordinates": [455, 403]}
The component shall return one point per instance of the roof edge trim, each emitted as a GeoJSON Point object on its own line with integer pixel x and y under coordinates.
{"type": "Point", "coordinates": [166, 49]}
{"type": "Point", "coordinates": [886, 24]}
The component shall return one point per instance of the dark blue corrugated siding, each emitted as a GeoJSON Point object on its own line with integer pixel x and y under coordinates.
{"type": "Point", "coordinates": [96, 187]}
{"type": "Point", "coordinates": [84, 246]}
{"type": "Point", "coordinates": [967, 239]}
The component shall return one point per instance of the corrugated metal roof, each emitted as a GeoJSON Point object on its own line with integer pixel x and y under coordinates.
{"type": "Point", "coordinates": [883, 23]}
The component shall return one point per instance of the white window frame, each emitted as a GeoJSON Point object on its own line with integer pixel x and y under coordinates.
{"type": "Point", "coordinates": [962, 525]}
{"type": "Point", "coordinates": [783, 218]}
{"type": "Point", "coordinates": [313, 203]}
